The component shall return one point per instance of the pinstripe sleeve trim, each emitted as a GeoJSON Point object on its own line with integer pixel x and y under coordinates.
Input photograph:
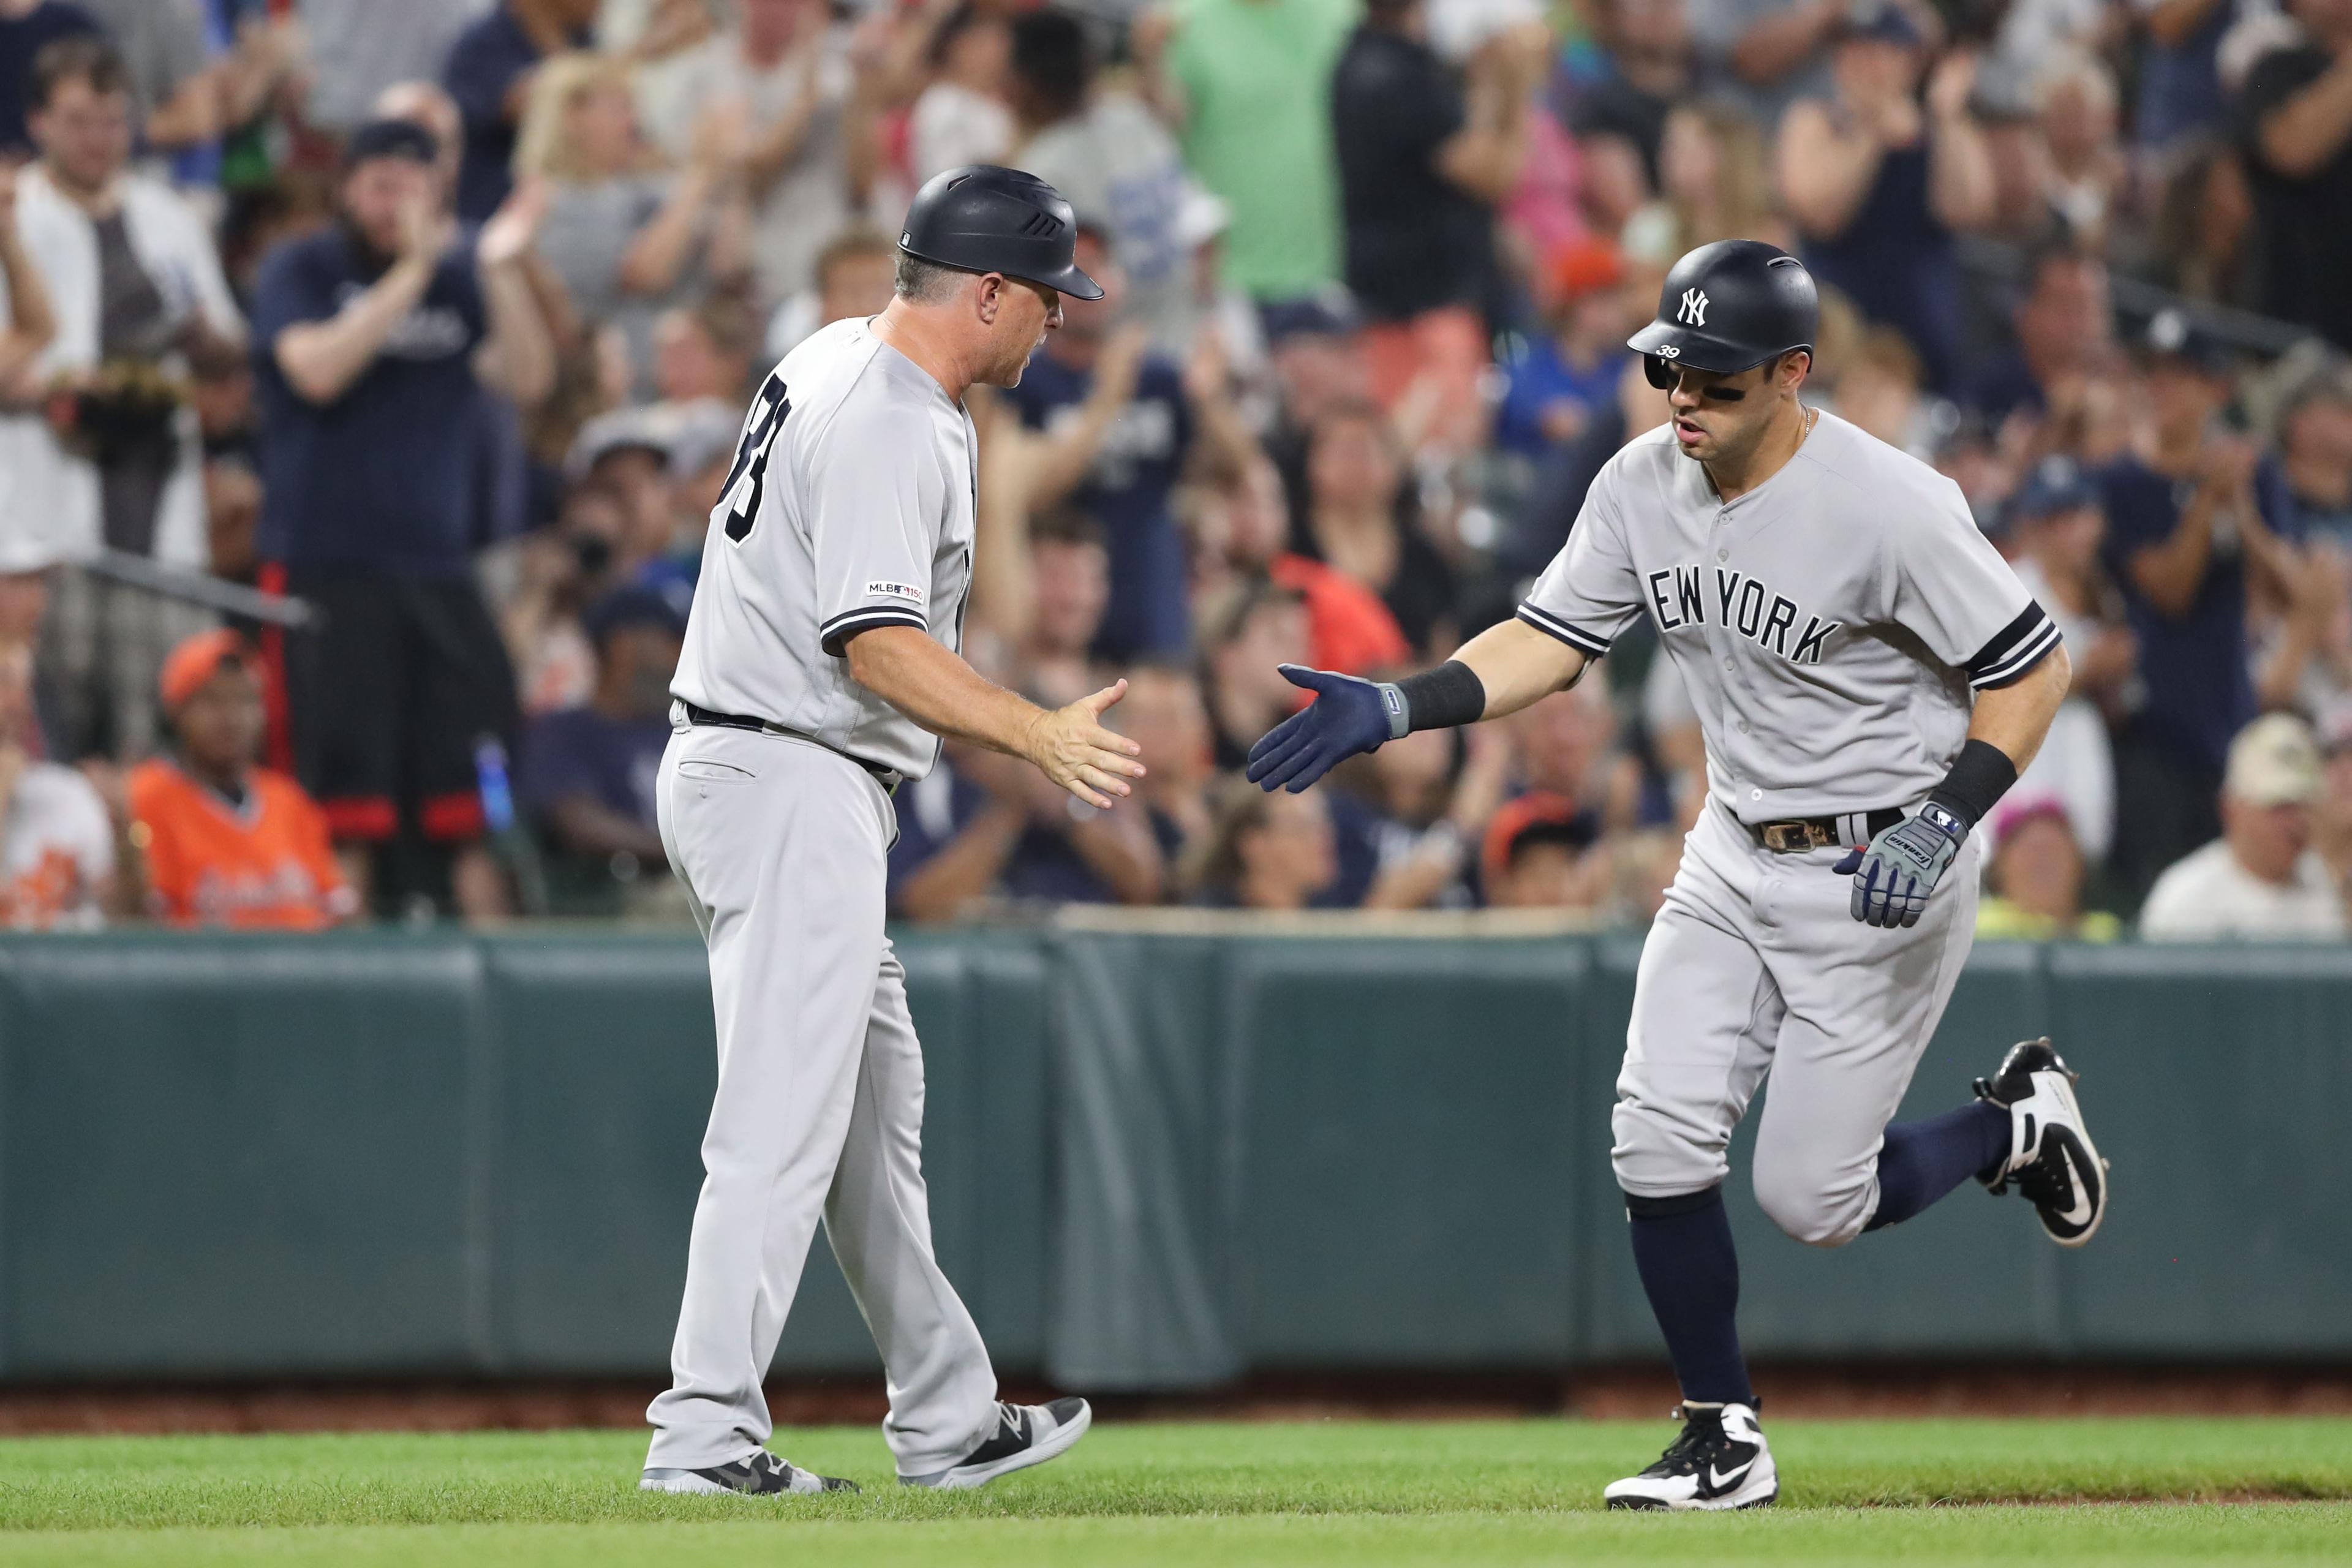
{"type": "Point", "coordinates": [2014, 649]}
{"type": "Point", "coordinates": [1575, 637]}
{"type": "Point", "coordinates": [837, 631]}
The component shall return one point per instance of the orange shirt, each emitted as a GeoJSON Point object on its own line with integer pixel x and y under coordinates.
{"type": "Point", "coordinates": [265, 864]}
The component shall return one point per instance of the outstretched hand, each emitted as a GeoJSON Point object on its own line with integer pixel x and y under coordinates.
{"type": "Point", "coordinates": [1071, 746]}
{"type": "Point", "coordinates": [1347, 717]}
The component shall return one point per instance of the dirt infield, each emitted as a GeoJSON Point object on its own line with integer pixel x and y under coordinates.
{"type": "Point", "coordinates": [1635, 1392]}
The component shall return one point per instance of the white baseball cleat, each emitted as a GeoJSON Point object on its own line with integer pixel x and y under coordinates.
{"type": "Point", "coordinates": [1720, 1462]}
{"type": "Point", "coordinates": [760, 1474]}
{"type": "Point", "coordinates": [2050, 1157]}
{"type": "Point", "coordinates": [1026, 1435]}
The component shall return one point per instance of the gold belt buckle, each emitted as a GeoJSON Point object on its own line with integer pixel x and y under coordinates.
{"type": "Point", "coordinates": [1789, 838]}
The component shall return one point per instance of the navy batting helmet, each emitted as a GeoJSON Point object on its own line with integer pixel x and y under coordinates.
{"type": "Point", "coordinates": [1727, 307]}
{"type": "Point", "coordinates": [982, 218]}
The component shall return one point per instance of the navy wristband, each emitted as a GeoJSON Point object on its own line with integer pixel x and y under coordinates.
{"type": "Point", "coordinates": [1980, 775]}
{"type": "Point", "coordinates": [1438, 699]}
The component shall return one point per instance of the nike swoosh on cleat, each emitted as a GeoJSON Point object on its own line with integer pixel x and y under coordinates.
{"type": "Point", "coordinates": [1718, 1480]}
{"type": "Point", "coordinates": [2080, 1214]}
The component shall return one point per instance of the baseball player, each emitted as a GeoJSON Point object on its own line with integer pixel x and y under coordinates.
{"type": "Point", "coordinates": [1869, 677]}
{"type": "Point", "coordinates": [821, 666]}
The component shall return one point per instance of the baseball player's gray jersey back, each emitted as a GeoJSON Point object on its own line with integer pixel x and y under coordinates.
{"type": "Point", "coordinates": [1829, 622]}
{"type": "Point", "coordinates": [851, 505]}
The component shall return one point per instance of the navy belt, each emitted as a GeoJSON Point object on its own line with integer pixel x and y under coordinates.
{"type": "Point", "coordinates": [888, 778]}
{"type": "Point", "coordinates": [1849, 831]}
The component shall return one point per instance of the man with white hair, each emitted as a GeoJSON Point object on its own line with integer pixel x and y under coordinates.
{"type": "Point", "coordinates": [2261, 878]}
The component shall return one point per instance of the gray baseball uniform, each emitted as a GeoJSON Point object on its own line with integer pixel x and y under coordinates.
{"type": "Point", "coordinates": [1830, 624]}
{"type": "Point", "coordinates": [850, 505]}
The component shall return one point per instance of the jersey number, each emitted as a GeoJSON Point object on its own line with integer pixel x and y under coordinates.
{"type": "Point", "coordinates": [751, 460]}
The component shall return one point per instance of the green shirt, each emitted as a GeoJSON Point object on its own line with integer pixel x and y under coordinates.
{"type": "Point", "coordinates": [1257, 75]}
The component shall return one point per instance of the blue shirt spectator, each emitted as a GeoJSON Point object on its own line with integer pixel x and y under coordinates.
{"type": "Point", "coordinates": [485, 65]}
{"type": "Point", "coordinates": [2179, 85]}
{"type": "Point", "coordinates": [1129, 489]}
{"type": "Point", "coordinates": [22, 38]}
{"type": "Point", "coordinates": [389, 474]}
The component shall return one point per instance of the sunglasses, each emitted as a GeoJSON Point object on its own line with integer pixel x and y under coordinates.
{"type": "Point", "coordinates": [1663, 375]}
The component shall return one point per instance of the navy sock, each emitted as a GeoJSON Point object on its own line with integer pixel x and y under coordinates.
{"type": "Point", "coordinates": [1682, 1247]}
{"type": "Point", "coordinates": [1922, 1161]}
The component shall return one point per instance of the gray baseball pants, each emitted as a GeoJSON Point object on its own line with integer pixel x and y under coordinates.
{"type": "Point", "coordinates": [1756, 964]}
{"type": "Point", "coordinates": [780, 844]}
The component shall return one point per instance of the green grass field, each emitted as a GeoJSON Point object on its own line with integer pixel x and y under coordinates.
{"type": "Point", "coordinates": [1352, 1493]}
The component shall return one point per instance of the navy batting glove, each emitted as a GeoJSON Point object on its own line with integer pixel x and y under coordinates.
{"type": "Point", "coordinates": [1893, 878]}
{"type": "Point", "coordinates": [1347, 717]}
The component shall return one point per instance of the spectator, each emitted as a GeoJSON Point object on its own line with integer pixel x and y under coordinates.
{"type": "Point", "coordinates": [1248, 82]}
{"type": "Point", "coordinates": [586, 773]}
{"type": "Point", "coordinates": [28, 326]}
{"type": "Point", "coordinates": [1355, 524]}
{"type": "Point", "coordinates": [2205, 227]}
{"type": "Point", "coordinates": [2034, 878]}
{"type": "Point", "coordinates": [1540, 854]}
{"type": "Point", "coordinates": [1714, 183]}
{"type": "Point", "coordinates": [1767, 54]}
{"type": "Point", "coordinates": [489, 72]}
{"type": "Point", "coordinates": [175, 100]}
{"type": "Point", "coordinates": [854, 274]}
{"type": "Point", "coordinates": [2295, 118]}
{"type": "Point", "coordinates": [1266, 851]}
{"type": "Point", "coordinates": [2055, 526]}
{"type": "Point", "coordinates": [1424, 159]}
{"type": "Point", "coordinates": [1878, 183]}
{"type": "Point", "coordinates": [2180, 82]}
{"type": "Point", "coordinates": [2261, 879]}
{"type": "Point", "coordinates": [1261, 626]}
{"type": "Point", "coordinates": [558, 571]}
{"type": "Point", "coordinates": [1119, 423]}
{"type": "Point", "coordinates": [2185, 528]}
{"type": "Point", "coordinates": [56, 841]}
{"type": "Point", "coordinates": [1425, 817]}
{"type": "Point", "coordinates": [1566, 747]}
{"type": "Point", "coordinates": [1556, 381]}
{"type": "Point", "coordinates": [2083, 165]}
{"type": "Point", "coordinates": [226, 842]}
{"type": "Point", "coordinates": [1071, 569]}
{"type": "Point", "coordinates": [785, 74]}
{"type": "Point", "coordinates": [626, 455]}
{"type": "Point", "coordinates": [1878, 390]}
{"type": "Point", "coordinates": [2065, 329]}
{"type": "Point", "coordinates": [140, 302]}
{"type": "Point", "coordinates": [375, 343]}
{"type": "Point", "coordinates": [1241, 530]}
{"type": "Point", "coordinates": [1650, 67]}
{"type": "Point", "coordinates": [702, 358]}
{"type": "Point", "coordinates": [1317, 358]}
{"type": "Point", "coordinates": [1104, 150]}
{"type": "Point", "coordinates": [27, 28]}
{"type": "Point", "coordinates": [2314, 452]}
{"type": "Point", "coordinates": [625, 242]}
{"type": "Point", "coordinates": [961, 117]}
{"type": "Point", "coordinates": [356, 49]}
{"type": "Point", "coordinates": [1162, 712]}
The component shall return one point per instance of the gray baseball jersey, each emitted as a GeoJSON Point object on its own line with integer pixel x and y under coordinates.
{"type": "Point", "coordinates": [851, 505]}
{"type": "Point", "coordinates": [1829, 622]}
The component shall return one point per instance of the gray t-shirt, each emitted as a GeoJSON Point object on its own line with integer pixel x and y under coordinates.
{"type": "Point", "coordinates": [1121, 171]}
{"type": "Point", "coordinates": [851, 506]}
{"type": "Point", "coordinates": [356, 49]}
{"type": "Point", "coordinates": [587, 233]}
{"type": "Point", "coordinates": [1829, 624]}
{"type": "Point", "coordinates": [1717, 26]}
{"type": "Point", "coordinates": [162, 42]}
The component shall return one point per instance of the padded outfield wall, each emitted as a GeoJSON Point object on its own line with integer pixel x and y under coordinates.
{"type": "Point", "coordinates": [1162, 1154]}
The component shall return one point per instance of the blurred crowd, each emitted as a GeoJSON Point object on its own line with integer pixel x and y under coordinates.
{"type": "Point", "coordinates": [438, 319]}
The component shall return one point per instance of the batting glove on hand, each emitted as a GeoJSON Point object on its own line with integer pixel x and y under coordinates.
{"type": "Point", "coordinates": [1347, 717]}
{"type": "Point", "coordinates": [1893, 878]}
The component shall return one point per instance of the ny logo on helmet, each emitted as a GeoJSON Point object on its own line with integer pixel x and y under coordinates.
{"type": "Point", "coordinates": [1693, 310]}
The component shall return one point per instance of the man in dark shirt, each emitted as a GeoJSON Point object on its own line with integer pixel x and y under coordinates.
{"type": "Point", "coordinates": [1650, 69]}
{"type": "Point", "coordinates": [587, 773]}
{"type": "Point", "coordinates": [2184, 530]}
{"type": "Point", "coordinates": [374, 341]}
{"type": "Point", "coordinates": [27, 27]}
{"type": "Point", "coordinates": [1422, 167]}
{"type": "Point", "coordinates": [2295, 121]}
{"type": "Point", "coordinates": [1119, 423]}
{"type": "Point", "coordinates": [489, 73]}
